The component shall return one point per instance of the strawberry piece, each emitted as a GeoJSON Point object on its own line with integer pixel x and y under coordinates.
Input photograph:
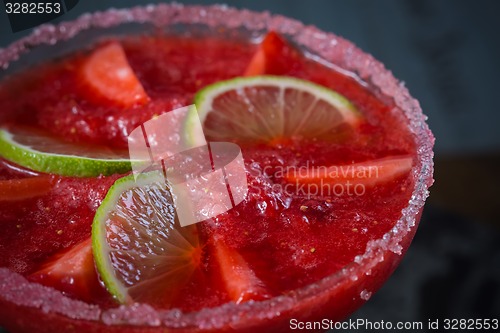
{"type": "Point", "coordinates": [109, 77]}
{"type": "Point", "coordinates": [367, 173]}
{"type": "Point", "coordinates": [25, 188]}
{"type": "Point", "coordinates": [239, 279]}
{"type": "Point", "coordinates": [71, 271]}
{"type": "Point", "coordinates": [274, 56]}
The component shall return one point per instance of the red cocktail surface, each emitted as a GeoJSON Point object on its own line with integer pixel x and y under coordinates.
{"type": "Point", "coordinates": [317, 253]}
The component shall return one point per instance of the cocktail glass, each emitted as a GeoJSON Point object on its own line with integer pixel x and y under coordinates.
{"type": "Point", "coordinates": [32, 307]}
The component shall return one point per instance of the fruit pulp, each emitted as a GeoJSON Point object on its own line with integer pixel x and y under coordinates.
{"type": "Point", "coordinates": [288, 238]}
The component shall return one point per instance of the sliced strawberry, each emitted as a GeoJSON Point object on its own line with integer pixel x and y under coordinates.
{"type": "Point", "coordinates": [71, 271]}
{"type": "Point", "coordinates": [109, 76]}
{"type": "Point", "coordinates": [274, 56]}
{"type": "Point", "coordinates": [239, 279]}
{"type": "Point", "coordinates": [367, 173]}
{"type": "Point", "coordinates": [25, 188]}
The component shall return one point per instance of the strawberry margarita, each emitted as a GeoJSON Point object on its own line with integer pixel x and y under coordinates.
{"type": "Point", "coordinates": [336, 153]}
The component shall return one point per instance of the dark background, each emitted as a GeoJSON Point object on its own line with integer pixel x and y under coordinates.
{"type": "Point", "coordinates": [447, 53]}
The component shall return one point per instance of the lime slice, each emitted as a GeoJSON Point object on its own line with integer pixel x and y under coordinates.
{"type": "Point", "coordinates": [269, 108]}
{"type": "Point", "coordinates": [40, 151]}
{"type": "Point", "coordinates": [141, 252]}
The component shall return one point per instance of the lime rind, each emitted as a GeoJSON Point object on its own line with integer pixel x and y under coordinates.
{"type": "Point", "coordinates": [205, 97]}
{"type": "Point", "coordinates": [193, 138]}
{"type": "Point", "coordinates": [100, 247]}
{"type": "Point", "coordinates": [65, 165]}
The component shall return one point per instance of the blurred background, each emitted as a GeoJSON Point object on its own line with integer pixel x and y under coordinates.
{"type": "Point", "coordinates": [447, 52]}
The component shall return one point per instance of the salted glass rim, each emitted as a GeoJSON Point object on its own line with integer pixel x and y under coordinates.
{"type": "Point", "coordinates": [329, 47]}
